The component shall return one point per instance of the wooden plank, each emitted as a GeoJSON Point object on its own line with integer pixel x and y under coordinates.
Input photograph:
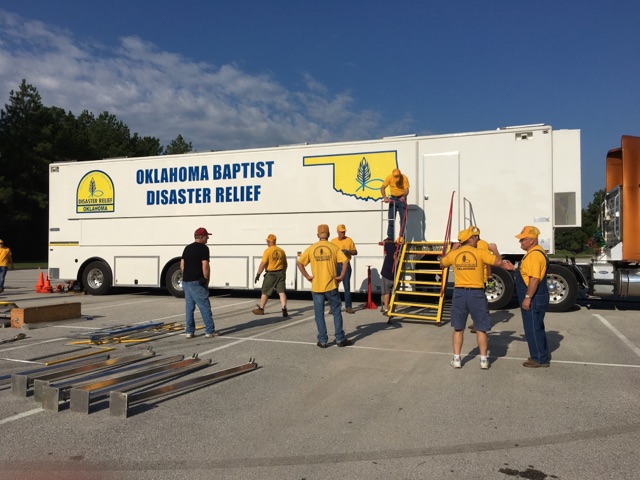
{"type": "Point", "coordinates": [46, 313]}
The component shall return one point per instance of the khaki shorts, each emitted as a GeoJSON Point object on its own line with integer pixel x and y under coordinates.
{"type": "Point", "coordinates": [274, 281]}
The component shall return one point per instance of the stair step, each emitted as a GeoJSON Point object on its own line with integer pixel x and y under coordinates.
{"type": "Point", "coordinates": [417, 305]}
{"type": "Point", "coordinates": [418, 294]}
{"type": "Point", "coordinates": [418, 317]}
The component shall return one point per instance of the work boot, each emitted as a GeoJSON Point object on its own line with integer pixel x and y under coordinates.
{"type": "Point", "coordinates": [258, 310]}
{"type": "Point", "coordinates": [284, 312]}
{"type": "Point", "coordinates": [530, 363]}
{"type": "Point", "coordinates": [349, 310]}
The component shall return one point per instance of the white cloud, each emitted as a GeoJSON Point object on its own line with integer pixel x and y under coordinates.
{"type": "Point", "coordinates": [164, 94]}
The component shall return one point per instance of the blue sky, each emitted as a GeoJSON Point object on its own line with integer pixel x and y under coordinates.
{"type": "Point", "coordinates": [252, 73]}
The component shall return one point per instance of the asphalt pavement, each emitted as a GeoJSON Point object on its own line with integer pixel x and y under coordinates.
{"type": "Point", "coordinates": [388, 407]}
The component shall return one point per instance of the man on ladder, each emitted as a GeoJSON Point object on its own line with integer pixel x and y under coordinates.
{"type": "Point", "coordinates": [398, 184]}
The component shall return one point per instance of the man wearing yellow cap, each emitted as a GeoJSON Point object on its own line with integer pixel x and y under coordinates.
{"type": "Point", "coordinates": [348, 247]}
{"type": "Point", "coordinates": [533, 295]}
{"type": "Point", "coordinates": [274, 261]}
{"type": "Point", "coordinates": [324, 257]}
{"type": "Point", "coordinates": [468, 264]}
{"type": "Point", "coordinates": [482, 245]}
{"type": "Point", "coordinates": [398, 184]}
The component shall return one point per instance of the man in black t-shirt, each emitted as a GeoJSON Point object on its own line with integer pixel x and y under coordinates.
{"type": "Point", "coordinates": [387, 272]}
{"type": "Point", "coordinates": [196, 273]}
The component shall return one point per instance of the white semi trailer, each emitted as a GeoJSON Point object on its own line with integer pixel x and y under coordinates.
{"type": "Point", "coordinates": [125, 222]}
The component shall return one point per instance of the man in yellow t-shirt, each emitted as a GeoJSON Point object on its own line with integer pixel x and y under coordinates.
{"type": "Point", "coordinates": [533, 295]}
{"type": "Point", "coordinates": [324, 257]}
{"type": "Point", "coordinates": [6, 261]}
{"type": "Point", "coordinates": [274, 261]}
{"type": "Point", "coordinates": [347, 246]}
{"type": "Point", "coordinates": [398, 184]}
{"type": "Point", "coordinates": [468, 294]}
{"type": "Point", "coordinates": [489, 287]}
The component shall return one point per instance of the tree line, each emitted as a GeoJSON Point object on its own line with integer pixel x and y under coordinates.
{"type": "Point", "coordinates": [33, 135]}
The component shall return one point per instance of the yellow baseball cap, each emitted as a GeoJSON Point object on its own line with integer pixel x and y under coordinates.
{"type": "Point", "coordinates": [271, 238]}
{"type": "Point", "coordinates": [341, 228]}
{"type": "Point", "coordinates": [529, 232]}
{"type": "Point", "coordinates": [464, 235]}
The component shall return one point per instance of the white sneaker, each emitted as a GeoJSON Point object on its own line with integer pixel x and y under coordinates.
{"type": "Point", "coordinates": [456, 362]}
{"type": "Point", "coordinates": [189, 335]}
{"type": "Point", "coordinates": [484, 364]}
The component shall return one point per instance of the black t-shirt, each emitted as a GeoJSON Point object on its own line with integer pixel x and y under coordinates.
{"type": "Point", "coordinates": [387, 264]}
{"type": "Point", "coordinates": [193, 255]}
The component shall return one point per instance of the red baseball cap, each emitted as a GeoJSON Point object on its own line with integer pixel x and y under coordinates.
{"type": "Point", "coordinates": [201, 232]}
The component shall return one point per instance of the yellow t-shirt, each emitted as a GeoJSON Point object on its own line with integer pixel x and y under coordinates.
{"type": "Point", "coordinates": [482, 245]}
{"type": "Point", "coordinates": [533, 265]}
{"type": "Point", "coordinates": [468, 265]}
{"type": "Point", "coordinates": [5, 255]}
{"type": "Point", "coordinates": [274, 257]}
{"type": "Point", "coordinates": [345, 244]}
{"type": "Point", "coordinates": [396, 188]}
{"type": "Point", "coordinates": [324, 257]}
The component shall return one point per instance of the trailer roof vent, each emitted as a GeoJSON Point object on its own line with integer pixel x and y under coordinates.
{"type": "Point", "coordinates": [523, 136]}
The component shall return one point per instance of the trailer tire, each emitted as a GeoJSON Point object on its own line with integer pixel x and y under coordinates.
{"type": "Point", "coordinates": [500, 294]}
{"type": "Point", "coordinates": [173, 281]}
{"type": "Point", "coordinates": [96, 278]}
{"type": "Point", "coordinates": [563, 288]}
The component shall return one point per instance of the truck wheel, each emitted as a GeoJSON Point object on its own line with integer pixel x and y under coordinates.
{"type": "Point", "coordinates": [563, 288]}
{"type": "Point", "coordinates": [500, 290]}
{"type": "Point", "coordinates": [173, 280]}
{"type": "Point", "coordinates": [96, 278]}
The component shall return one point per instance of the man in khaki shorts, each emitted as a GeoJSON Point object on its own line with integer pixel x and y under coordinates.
{"type": "Point", "coordinates": [274, 261]}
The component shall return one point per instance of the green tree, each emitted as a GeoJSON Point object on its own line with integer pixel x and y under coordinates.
{"type": "Point", "coordinates": [108, 137]}
{"type": "Point", "coordinates": [144, 146]}
{"type": "Point", "coordinates": [580, 240]}
{"type": "Point", "coordinates": [178, 146]}
{"type": "Point", "coordinates": [25, 148]}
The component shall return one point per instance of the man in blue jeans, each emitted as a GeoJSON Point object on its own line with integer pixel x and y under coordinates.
{"type": "Point", "coordinates": [533, 295]}
{"type": "Point", "coordinates": [196, 273]}
{"type": "Point", "coordinates": [324, 257]}
{"type": "Point", "coordinates": [347, 246]}
{"type": "Point", "coordinates": [6, 261]}
{"type": "Point", "coordinates": [398, 184]}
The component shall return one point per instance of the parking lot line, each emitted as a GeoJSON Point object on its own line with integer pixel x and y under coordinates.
{"type": "Point", "coordinates": [624, 339]}
{"type": "Point", "coordinates": [21, 415]}
{"type": "Point", "coordinates": [244, 339]}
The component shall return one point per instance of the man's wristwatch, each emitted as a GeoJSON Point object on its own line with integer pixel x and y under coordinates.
{"type": "Point", "coordinates": [527, 296]}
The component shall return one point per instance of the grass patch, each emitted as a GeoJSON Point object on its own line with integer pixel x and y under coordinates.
{"type": "Point", "coordinates": [30, 265]}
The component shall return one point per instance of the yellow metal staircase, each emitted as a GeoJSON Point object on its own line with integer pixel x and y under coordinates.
{"type": "Point", "coordinates": [419, 282]}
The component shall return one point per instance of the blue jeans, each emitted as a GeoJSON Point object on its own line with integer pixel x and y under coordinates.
{"type": "Point", "coordinates": [396, 205]}
{"type": "Point", "coordinates": [533, 320]}
{"type": "Point", "coordinates": [346, 283]}
{"type": "Point", "coordinates": [333, 297]}
{"type": "Point", "coordinates": [196, 294]}
{"type": "Point", "coordinates": [3, 273]}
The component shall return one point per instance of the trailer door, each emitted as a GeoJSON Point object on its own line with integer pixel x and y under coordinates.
{"type": "Point", "coordinates": [441, 177]}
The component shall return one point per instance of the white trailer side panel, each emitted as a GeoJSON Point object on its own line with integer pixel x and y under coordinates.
{"type": "Point", "coordinates": [111, 210]}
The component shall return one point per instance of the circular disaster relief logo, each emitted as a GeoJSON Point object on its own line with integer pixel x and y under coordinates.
{"type": "Point", "coordinates": [95, 193]}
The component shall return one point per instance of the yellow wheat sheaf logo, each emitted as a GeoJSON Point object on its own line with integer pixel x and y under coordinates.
{"type": "Point", "coordinates": [95, 193]}
{"type": "Point", "coordinates": [360, 174]}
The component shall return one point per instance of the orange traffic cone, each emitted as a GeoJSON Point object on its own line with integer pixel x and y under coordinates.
{"type": "Point", "coordinates": [47, 286]}
{"type": "Point", "coordinates": [40, 283]}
